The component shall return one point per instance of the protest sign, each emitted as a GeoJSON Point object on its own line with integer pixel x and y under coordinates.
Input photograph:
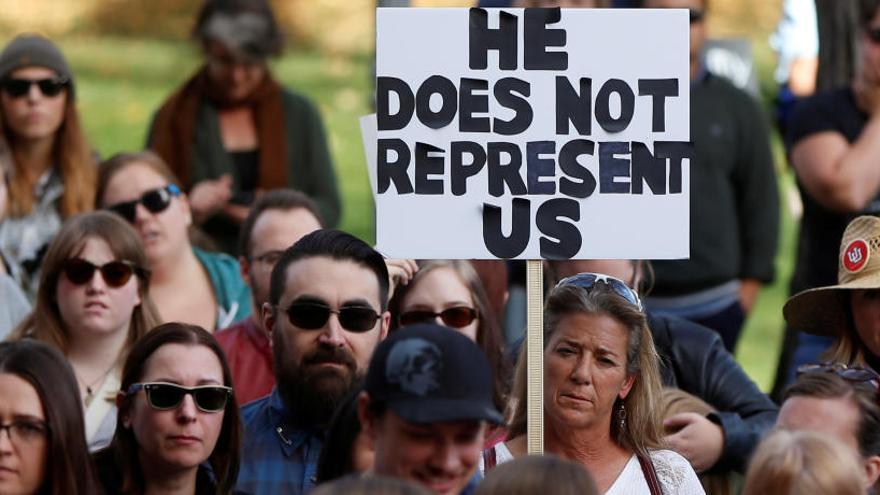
{"type": "Point", "coordinates": [530, 134]}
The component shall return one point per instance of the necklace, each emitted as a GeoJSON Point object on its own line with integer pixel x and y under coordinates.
{"type": "Point", "coordinates": [89, 386]}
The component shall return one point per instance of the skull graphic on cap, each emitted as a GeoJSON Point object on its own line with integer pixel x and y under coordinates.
{"type": "Point", "coordinates": [413, 365]}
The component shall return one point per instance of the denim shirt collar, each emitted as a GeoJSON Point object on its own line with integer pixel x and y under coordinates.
{"type": "Point", "coordinates": [292, 438]}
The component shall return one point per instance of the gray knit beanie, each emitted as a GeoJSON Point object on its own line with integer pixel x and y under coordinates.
{"type": "Point", "coordinates": [30, 50]}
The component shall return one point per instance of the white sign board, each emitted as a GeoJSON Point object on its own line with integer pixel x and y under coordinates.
{"type": "Point", "coordinates": [532, 133]}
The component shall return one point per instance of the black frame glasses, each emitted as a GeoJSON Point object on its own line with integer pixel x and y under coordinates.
{"type": "Point", "coordinates": [25, 431]}
{"type": "Point", "coordinates": [588, 280]}
{"type": "Point", "coordinates": [455, 317]}
{"type": "Point", "coordinates": [115, 273]}
{"type": "Point", "coordinates": [164, 396]}
{"type": "Point", "coordinates": [155, 201]}
{"type": "Point", "coordinates": [314, 315]}
{"type": "Point", "coordinates": [50, 87]}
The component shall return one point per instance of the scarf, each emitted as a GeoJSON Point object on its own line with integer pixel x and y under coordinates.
{"type": "Point", "coordinates": [173, 130]}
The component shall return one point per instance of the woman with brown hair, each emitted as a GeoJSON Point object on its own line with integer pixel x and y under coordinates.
{"type": "Point", "coordinates": [189, 284]}
{"type": "Point", "coordinates": [179, 429]}
{"type": "Point", "coordinates": [45, 447]}
{"type": "Point", "coordinates": [51, 169]}
{"type": "Point", "coordinates": [231, 131]}
{"type": "Point", "coordinates": [450, 292]}
{"type": "Point", "coordinates": [601, 388]}
{"type": "Point", "coordinates": [93, 305]}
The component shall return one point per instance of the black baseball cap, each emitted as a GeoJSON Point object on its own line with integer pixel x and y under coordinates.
{"type": "Point", "coordinates": [427, 373]}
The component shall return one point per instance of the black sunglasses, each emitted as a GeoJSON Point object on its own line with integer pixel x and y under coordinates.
{"type": "Point", "coordinates": [155, 201]}
{"type": "Point", "coordinates": [853, 374]}
{"type": "Point", "coordinates": [696, 15]}
{"type": "Point", "coordinates": [312, 316]}
{"type": "Point", "coordinates": [115, 273]}
{"type": "Point", "coordinates": [587, 281]}
{"type": "Point", "coordinates": [456, 317]}
{"type": "Point", "coordinates": [17, 88]}
{"type": "Point", "coordinates": [874, 34]}
{"type": "Point", "coordinates": [164, 396]}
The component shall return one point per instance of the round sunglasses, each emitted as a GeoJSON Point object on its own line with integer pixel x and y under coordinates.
{"type": "Point", "coordinates": [115, 273]}
{"type": "Point", "coordinates": [312, 316]}
{"type": "Point", "coordinates": [155, 201]}
{"type": "Point", "coordinates": [50, 87]}
{"type": "Point", "coordinates": [455, 317]}
{"type": "Point", "coordinates": [164, 396]}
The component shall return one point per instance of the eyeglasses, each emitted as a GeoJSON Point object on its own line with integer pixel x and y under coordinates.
{"type": "Point", "coordinates": [696, 15]}
{"type": "Point", "coordinates": [115, 273]}
{"type": "Point", "coordinates": [17, 88]}
{"type": "Point", "coordinates": [873, 34]}
{"type": "Point", "coordinates": [854, 374]}
{"type": "Point", "coordinates": [587, 281]}
{"type": "Point", "coordinates": [312, 316]}
{"type": "Point", "coordinates": [457, 317]}
{"type": "Point", "coordinates": [26, 432]}
{"type": "Point", "coordinates": [155, 201]}
{"type": "Point", "coordinates": [164, 396]}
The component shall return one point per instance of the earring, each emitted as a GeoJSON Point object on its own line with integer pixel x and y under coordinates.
{"type": "Point", "coordinates": [621, 415]}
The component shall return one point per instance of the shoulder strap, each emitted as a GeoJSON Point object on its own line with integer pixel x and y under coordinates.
{"type": "Point", "coordinates": [489, 459]}
{"type": "Point", "coordinates": [650, 474]}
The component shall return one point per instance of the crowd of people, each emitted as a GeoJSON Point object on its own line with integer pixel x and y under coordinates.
{"type": "Point", "coordinates": [186, 319]}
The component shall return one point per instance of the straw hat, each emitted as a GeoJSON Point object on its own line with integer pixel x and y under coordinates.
{"type": "Point", "coordinates": [825, 310]}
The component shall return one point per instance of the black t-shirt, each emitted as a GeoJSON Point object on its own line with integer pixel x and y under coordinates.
{"type": "Point", "coordinates": [822, 229]}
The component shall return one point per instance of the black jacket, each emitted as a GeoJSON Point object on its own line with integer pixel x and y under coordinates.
{"type": "Point", "coordinates": [694, 359]}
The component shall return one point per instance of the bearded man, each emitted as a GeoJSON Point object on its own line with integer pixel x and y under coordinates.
{"type": "Point", "coordinates": [327, 312]}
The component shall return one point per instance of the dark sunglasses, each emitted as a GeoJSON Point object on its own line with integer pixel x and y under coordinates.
{"type": "Point", "coordinates": [115, 273]}
{"type": "Point", "coordinates": [696, 15]}
{"type": "Point", "coordinates": [17, 88]}
{"type": "Point", "coordinates": [312, 316]}
{"type": "Point", "coordinates": [874, 34]}
{"type": "Point", "coordinates": [853, 374]}
{"type": "Point", "coordinates": [457, 317]}
{"type": "Point", "coordinates": [164, 396]}
{"type": "Point", "coordinates": [589, 280]}
{"type": "Point", "coordinates": [155, 201]}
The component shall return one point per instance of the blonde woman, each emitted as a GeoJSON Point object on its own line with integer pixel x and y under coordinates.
{"type": "Point", "coordinates": [601, 388]}
{"type": "Point", "coordinates": [803, 463]}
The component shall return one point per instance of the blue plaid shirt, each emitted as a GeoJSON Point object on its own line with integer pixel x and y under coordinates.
{"type": "Point", "coordinates": [276, 457]}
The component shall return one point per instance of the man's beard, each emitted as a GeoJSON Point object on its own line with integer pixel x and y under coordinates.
{"type": "Point", "coordinates": [310, 391]}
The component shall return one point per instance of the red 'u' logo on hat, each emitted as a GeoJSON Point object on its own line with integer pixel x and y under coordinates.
{"type": "Point", "coordinates": [855, 255]}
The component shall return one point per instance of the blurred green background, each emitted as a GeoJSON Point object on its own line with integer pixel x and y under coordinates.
{"type": "Point", "coordinates": [128, 55]}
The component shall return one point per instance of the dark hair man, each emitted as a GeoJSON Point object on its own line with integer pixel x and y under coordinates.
{"type": "Point", "coordinates": [326, 313]}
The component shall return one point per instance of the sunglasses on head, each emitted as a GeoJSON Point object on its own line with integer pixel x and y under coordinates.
{"type": "Point", "coordinates": [313, 315]}
{"type": "Point", "coordinates": [155, 201]}
{"type": "Point", "coordinates": [853, 374]}
{"type": "Point", "coordinates": [587, 281]}
{"type": "Point", "coordinates": [164, 396]}
{"type": "Point", "coordinates": [456, 317]}
{"type": "Point", "coordinates": [115, 273]}
{"type": "Point", "coordinates": [17, 88]}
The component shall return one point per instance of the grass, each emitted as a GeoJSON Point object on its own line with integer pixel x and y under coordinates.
{"type": "Point", "coordinates": [121, 81]}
